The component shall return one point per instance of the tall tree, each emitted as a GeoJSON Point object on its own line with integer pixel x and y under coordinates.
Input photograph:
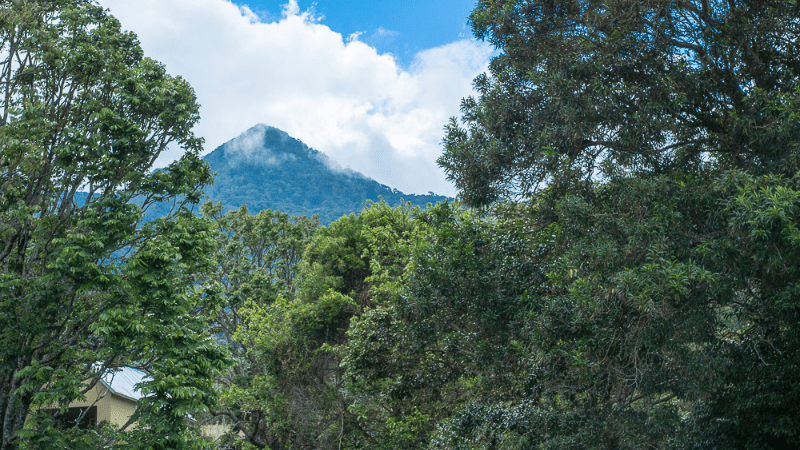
{"type": "Point", "coordinates": [255, 265]}
{"type": "Point", "coordinates": [85, 286]}
{"type": "Point", "coordinates": [587, 89]}
{"type": "Point", "coordinates": [295, 339]}
{"type": "Point", "coordinates": [649, 150]}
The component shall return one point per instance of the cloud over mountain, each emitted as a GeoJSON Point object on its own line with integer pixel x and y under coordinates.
{"type": "Point", "coordinates": [297, 74]}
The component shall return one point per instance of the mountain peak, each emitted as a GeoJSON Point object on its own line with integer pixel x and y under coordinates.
{"type": "Point", "coordinates": [264, 167]}
{"type": "Point", "coordinates": [256, 140]}
{"type": "Point", "coordinates": [260, 131]}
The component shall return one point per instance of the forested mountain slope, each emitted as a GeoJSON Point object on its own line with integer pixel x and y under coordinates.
{"type": "Point", "coordinates": [265, 168]}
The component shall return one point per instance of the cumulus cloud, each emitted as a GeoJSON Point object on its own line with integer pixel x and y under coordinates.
{"type": "Point", "coordinates": [336, 94]}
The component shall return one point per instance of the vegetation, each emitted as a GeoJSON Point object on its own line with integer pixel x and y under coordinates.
{"type": "Point", "coordinates": [255, 267]}
{"type": "Point", "coordinates": [627, 277]}
{"type": "Point", "coordinates": [85, 287]}
{"type": "Point", "coordinates": [621, 273]}
{"type": "Point", "coordinates": [651, 149]}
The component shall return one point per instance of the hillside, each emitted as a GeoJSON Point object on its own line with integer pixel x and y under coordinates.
{"type": "Point", "coordinates": [265, 168]}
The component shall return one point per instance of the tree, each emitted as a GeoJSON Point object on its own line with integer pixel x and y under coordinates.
{"type": "Point", "coordinates": [86, 287]}
{"type": "Point", "coordinates": [445, 330]}
{"type": "Point", "coordinates": [587, 89]}
{"type": "Point", "coordinates": [255, 264]}
{"type": "Point", "coordinates": [649, 150]}
{"type": "Point", "coordinates": [297, 339]}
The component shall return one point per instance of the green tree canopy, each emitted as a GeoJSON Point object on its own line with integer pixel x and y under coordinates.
{"type": "Point", "coordinates": [648, 151]}
{"type": "Point", "coordinates": [444, 332]}
{"type": "Point", "coordinates": [255, 266]}
{"type": "Point", "coordinates": [588, 89]}
{"type": "Point", "coordinates": [297, 339]}
{"type": "Point", "coordinates": [85, 286]}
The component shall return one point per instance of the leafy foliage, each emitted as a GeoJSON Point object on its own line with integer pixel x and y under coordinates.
{"type": "Point", "coordinates": [648, 151]}
{"type": "Point", "coordinates": [444, 331]}
{"type": "Point", "coordinates": [587, 89]}
{"type": "Point", "coordinates": [627, 278]}
{"type": "Point", "coordinates": [255, 267]}
{"type": "Point", "coordinates": [296, 338]}
{"type": "Point", "coordinates": [85, 286]}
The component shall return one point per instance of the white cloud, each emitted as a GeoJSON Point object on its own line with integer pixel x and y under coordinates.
{"type": "Point", "coordinates": [291, 8]}
{"type": "Point", "coordinates": [382, 32]}
{"type": "Point", "coordinates": [337, 95]}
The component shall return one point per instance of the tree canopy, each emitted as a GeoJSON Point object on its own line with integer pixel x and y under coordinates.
{"type": "Point", "coordinates": [625, 279]}
{"type": "Point", "coordinates": [650, 148]}
{"type": "Point", "coordinates": [255, 267]}
{"type": "Point", "coordinates": [86, 286]}
{"type": "Point", "coordinates": [622, 272]}
{"type": "Point", "coordinates": [584, 90]}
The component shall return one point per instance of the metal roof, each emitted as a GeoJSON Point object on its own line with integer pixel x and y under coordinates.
{"type": "Point", "coordinates": [123, 382]}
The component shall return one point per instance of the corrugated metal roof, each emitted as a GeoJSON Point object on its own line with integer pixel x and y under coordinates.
{"type": "Point", "coordinates": [123, 381]}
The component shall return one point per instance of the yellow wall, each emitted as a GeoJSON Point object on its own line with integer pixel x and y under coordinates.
{"type": "Point", "coordinates": [111, 408]}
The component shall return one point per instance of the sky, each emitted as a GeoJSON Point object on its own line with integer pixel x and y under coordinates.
{"type": "Point", "coordinates": [400, 27]}
{"type": "Point", "coordinates": [370, 84]}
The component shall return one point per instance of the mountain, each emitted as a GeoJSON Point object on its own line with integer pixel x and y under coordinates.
{"type": "Point", "coordinates": [265, 168]}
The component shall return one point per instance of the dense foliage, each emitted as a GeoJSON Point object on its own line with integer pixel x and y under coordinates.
{"type": "Point", "coordinates": [255, 267]}
{"type": "Point", "coordinates": [589, 90]}
{"type": "Point", "coordinates": [85, 287]}
{"type": "Point", "coordinates": [628, 278]}
{"type": "Point", "coordinates": [651, 148]}
{"type": "Point", "coordinates": [626, 275]}
{"type": "Point", "coordinates": [292, 393]}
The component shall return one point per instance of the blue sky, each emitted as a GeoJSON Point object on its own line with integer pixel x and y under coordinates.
{"type": "Point", "coordinates": [402, 28]}
{"type": "Point", "coordinates": [371, 85]}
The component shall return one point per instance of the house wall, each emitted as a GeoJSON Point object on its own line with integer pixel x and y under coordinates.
{"type": "Point", "coordinates": [111, 407]}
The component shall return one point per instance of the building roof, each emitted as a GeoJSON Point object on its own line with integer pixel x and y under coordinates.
{"type": "Point", "coordinates": [123, 382]}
